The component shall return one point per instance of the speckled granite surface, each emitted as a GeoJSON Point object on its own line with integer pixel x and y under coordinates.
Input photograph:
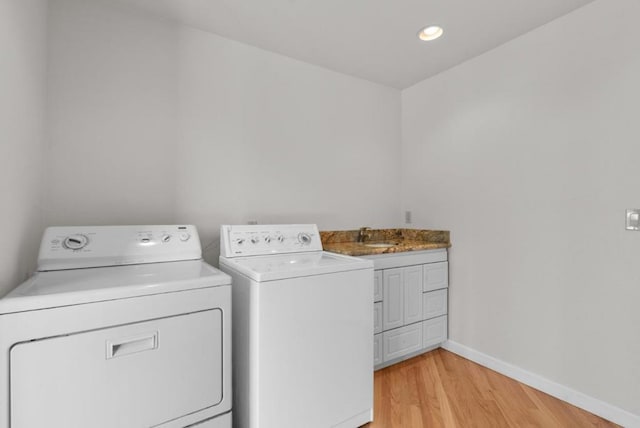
{"type": "Point", "coordinates": [344, 241]}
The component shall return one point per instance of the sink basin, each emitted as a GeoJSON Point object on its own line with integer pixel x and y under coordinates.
{"type": "Point", "coordinates": [381, 245]}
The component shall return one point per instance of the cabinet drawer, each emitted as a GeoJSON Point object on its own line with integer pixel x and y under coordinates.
{"type": "Point", "coordinates": [377, 318]}
{"type": "Point", "coordinates": [377, 286]}
{"type": "Point", "coordinates": [434, 331]}
{"type": "Point", "coordinates": [401, 341]}
{"type": "Point", "coordinates": [435, 276]}
{"type": "Point", "coordinates": [377, 349]}
{"type": "Point", "coordinates": [434, 304]}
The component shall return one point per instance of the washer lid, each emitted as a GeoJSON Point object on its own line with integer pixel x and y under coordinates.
{"type": "Point", "coordinates": [282, 266]}
{"type": "Point", "coordinates": [78, 286]}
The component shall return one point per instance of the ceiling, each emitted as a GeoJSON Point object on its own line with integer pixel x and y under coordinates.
{"type": "Point", "coordinates": [370, 39]}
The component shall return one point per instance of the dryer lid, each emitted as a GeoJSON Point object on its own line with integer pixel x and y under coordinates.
{"type": "Point", "coordinates": [79, 286]}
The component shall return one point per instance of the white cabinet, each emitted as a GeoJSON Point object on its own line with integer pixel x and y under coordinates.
{"type": "Point", "coordinates": [412, 294]}
{"type": "Point", "coordinates": [377, 349]}
{"type": "Point", "coordinates": [434, 304]}
{"type": "Point", "coordinates": [410, 309]}
{"type": "Point", "coordinates": [402, 296]}
{"type": "Point", "coordinates": [377, 286]}
{"type": "Point", "coordinates": [377, 318]}
{"type": "Point", "coordinates": [436, 276]}
{"type": "Point", "coordinates": [401, 341]}
{"type": "Point", "coordinates": [434, 331]}
{"type": "Point", "coordinates": [393, 298]}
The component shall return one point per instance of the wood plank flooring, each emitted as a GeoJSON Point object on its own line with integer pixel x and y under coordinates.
{"type": "Point", "coordinates": [441, 389]}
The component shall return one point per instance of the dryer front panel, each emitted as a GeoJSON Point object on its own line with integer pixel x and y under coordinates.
{"type": "Point", "coordinates": [135, 375]}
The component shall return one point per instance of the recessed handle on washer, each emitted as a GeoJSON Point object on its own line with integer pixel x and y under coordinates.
{"type": "Point", "coordinates": [132, 345]}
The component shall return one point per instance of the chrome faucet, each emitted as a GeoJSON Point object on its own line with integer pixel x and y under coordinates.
{"type": "Point", "coordinates": [362, 235]}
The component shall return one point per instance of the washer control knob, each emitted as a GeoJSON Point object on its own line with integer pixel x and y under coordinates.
{"type": "Point", "coordinates": [267, 239]}
{"type": "Point", "coordinates": [165, 238]}
{"type": "Point", "coordinates": [184, 236]}
{"type": "Point", "coordinates": [255, 239]}
{"type": "Point", "coordinates": [280, 238]}
{"type": "Point", "coordinates": [240, 241]}
{"type": "Point", "coordinates": [304, 238]}
{"type": "Point", "coordinates": [75, 242]}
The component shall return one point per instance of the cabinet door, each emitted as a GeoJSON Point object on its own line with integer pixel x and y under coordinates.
{"type": "Point", "coordinates": [377, 349]}
{"type": "Point", "coordinates": [377, 318]}
{"type": "Point", "coordinates": [436, 276]}
{"type": "Point", "coordinates": [434, 304]}
{"type": "Point", "coordinates": [412, 283]}
{"type": "Point", "coordinates": [377, 286]}
{"type": "Point", "coordinates": [393, 302]}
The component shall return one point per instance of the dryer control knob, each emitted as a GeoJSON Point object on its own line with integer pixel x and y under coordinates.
{"type": "Point", "coordinates": [75, 242]}
{"type": "Point", "coordinates": [267, 239]}
{"type": "Point", "coordinates": [280, 238]}
{"type": "Point", "coordinates": [255, 239]}
{"type": "Point", "coordinates": [165, 238]}
{"type": "Point", "coordinates": [184, 236]}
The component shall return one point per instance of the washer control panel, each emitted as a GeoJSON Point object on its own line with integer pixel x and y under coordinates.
{"type": "Point", "coordinates": [96, 246]}
{"type": "Point", "coordinates": [257, 240]}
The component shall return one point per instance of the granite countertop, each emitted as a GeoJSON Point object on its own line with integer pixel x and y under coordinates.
{"type": "Point", "coordinates": [345, 241]}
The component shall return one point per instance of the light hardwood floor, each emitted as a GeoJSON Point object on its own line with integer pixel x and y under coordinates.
{"type": "Point", "coordinates": [441, 389]}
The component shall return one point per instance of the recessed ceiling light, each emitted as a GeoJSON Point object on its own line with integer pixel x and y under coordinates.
{"type": "Point", "coordinates": [431, 32]}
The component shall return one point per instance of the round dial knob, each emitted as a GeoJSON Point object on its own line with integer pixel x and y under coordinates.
{"type": "Point", "coordinates": [304, 238]}
{"type": "Point", "coordinates": [255, 239]}
{"type": "Point", "coordinates": [165, 238]}
{"type": "Point", "coordinates": [75, 242]}
{"type": "Point", "coordinates": [184, 236]}
{"type": "Point", "coordinates": [267, 239]}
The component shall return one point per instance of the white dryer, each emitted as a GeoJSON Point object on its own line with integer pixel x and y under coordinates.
{"type": "Point", "coordinates": [122, 326]}
{"type": "Point", "coordinates": [302, 329]}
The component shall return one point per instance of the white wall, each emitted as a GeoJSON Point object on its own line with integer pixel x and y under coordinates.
{"type": "Point", "coordinates": [22, 101]}
{"type": "Point", "coordinates": [153, 122]}
{"type": "Point", "coordinates": [529, 155]}
{"type": "Point", "coordinates": [112, 116]}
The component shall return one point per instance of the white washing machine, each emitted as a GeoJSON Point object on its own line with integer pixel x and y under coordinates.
{"type": "Point", "coordinates": [302, 329]}
{"type": "Point", "coordinates": [122, 326]}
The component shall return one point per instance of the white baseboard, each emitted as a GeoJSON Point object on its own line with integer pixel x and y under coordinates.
{"type": "Point", "coordinates": [571, 396]}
